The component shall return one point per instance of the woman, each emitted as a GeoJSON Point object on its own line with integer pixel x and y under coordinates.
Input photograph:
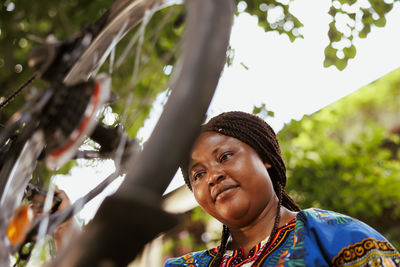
{"type": "Point", "coordinates": [237, 175]}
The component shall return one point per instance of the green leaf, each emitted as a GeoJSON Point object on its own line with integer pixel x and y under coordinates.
{"type": "Point", "coordinates": [253, 9]}
{"type": "Point", "coordinates": [65, 169]}
{"type": "Point", "coordinates": [330, 51]}
{"type": "Point", "coordinates": [328, 62]}
{"type": "Point", "coordinates": [332, 11]}
{"type": "Point", "coordinates": [381, 7]}
{"type": "Point", "coordinates": [381, 22]}
{"type": "Point", "coordinates": [350, 52]}
{"type": "Point", "coordinates": [352, 15]}
{"type": "Point", "coordinates": [333, 34]}
{"type": "Point", "coordinates": [262, 111]}
{"type": "Point", "coordinates": [365, 31]}
{"type": "Point", "coordinates": [244, 66]}
{"type": "Point", "coordinates": [341, 63]}
{"type": "Point", "coordinates": [366, 17]}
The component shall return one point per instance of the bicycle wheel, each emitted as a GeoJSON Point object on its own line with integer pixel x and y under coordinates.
{"type": "Point", "coordinates": [193, 82]}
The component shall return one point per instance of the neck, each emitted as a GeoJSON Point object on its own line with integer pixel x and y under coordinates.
{"type": "Point", "coordinates": [250, 235]}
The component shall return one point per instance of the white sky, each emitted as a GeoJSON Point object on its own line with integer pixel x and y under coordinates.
{"type": "Point", "coordinates": [288, 77]}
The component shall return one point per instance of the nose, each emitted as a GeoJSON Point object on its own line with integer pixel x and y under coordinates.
{"type": "Point", "coordinates": [216, 176]}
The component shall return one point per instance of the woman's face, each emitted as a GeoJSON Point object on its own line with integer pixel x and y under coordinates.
{"type": "Point", "coordinates": [229, 180]}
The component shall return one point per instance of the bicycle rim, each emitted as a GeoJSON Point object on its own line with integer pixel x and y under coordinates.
{"type": "Point", "coordinates": [124, 17]}
{"type": "Point", "coordinates": [117, 22]}
{"type": "Point", "coordinates": [193, 82]}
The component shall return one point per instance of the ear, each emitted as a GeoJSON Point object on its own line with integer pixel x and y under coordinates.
{"type": "Point", "coordinates": [267, 165]}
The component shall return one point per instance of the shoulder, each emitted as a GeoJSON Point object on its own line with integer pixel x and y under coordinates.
{"type": "Point", "coordinates": [345, 239]}
{"type": "Point", "coordinates": [193, 259]}
{"type": "Point", "coordinates": [333, 222]}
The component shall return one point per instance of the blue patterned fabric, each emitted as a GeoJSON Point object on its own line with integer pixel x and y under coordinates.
{"type": "Point", "coordinates": [317, 238]}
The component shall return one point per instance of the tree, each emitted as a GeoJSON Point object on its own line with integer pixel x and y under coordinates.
{"type": "Point", "coordinates": [345, 157]}
{"type": "Point", "coordinates": [351, 19]}
{"type": "Point", "coordinates": [23, 25]}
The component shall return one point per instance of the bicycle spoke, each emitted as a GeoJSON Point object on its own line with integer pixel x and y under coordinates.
{"type": "Point", "coordinates": [11, 97]}
{"type": "Point", "coordinates": [112, 56]}
{"type": "Point", "coordinates": [17, 183]}
{"type": "Point", "coordinates": [43, 226]}
{"type": "Point", "coordinates": [127, 50]}
{"type": "Point", "coordinates": [141, 32]}
{"type": "Point", "coordinates": [21, 174]}
{"type": "Point", "coordinates": [148, 53]}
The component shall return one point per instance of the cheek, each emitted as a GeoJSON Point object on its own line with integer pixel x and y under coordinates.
{"type": "Point", "coordinates": [203, 197]}
{"type": "Point", "coordinates": [200, 194]}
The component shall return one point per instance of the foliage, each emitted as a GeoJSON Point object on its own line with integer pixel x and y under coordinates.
{"type": "Point", "coordinates": [328, 148]}
{"type": "Point", "coordinates": [359, 17]}
{"type": "Point", "coordinates": [262, 111]}
{"type": "Point", "coordinates": [284, 23]}
{"type": "Point", "coordinates": [23, 26]}
{"type": "Point", "coordinates": [62, 19]}
{"type": "Point", "coordinates": [337, 158]}
{"type": "Point", "coordinates": [351, 19]}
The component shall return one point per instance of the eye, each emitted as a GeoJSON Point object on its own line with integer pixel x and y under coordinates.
{"type": "Point", "coordinates": [198, 175]}
{"type": "Point", "coordinates": [225, 156]}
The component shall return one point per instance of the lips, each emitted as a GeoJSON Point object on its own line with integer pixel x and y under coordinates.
{"type": "Point", "coordinates": [215, 193]}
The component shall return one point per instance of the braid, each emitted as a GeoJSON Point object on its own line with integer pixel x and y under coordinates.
{"type": "Point", "coordinates": [288, 202]}
{"type": "Point", "coordinates": [222, 247]}
{"type": "Point", "coordinates": [277, 218]}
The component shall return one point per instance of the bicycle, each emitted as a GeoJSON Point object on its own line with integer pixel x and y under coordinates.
{"type": "Point", "coordinates": [31, 134]}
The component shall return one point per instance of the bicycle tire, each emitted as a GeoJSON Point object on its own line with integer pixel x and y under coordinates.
{"type": "Point", "coordinates": [104, 41]}
{"type": "Point", "coordinates": [193, 84]}
{"type": "Point", "coordinates": [202, 87]}
{"type": "Point", "coordinates": [123, 12]}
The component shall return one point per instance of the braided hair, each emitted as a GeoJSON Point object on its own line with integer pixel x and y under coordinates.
{"type": "Point", "coordinates": [256, 133]}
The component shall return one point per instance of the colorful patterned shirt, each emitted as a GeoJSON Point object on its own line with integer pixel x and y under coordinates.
{"type": "Point", "coordinates": [315, 238]}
